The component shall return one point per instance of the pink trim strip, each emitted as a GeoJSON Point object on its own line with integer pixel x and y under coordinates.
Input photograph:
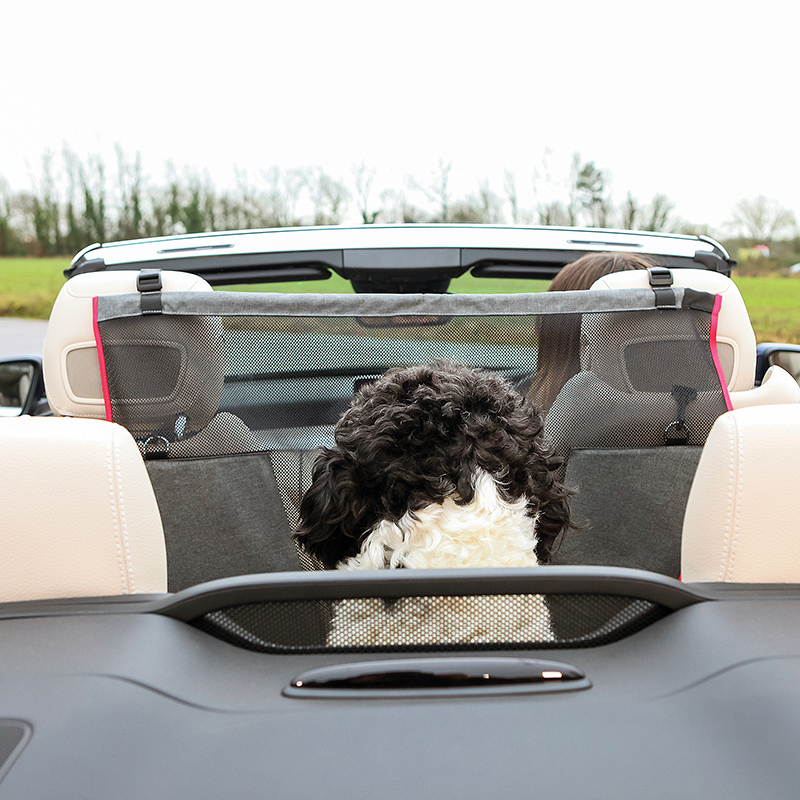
{"type": "Point", "coordinates": [715, 354]}
{"type": "Point", "coordinates": [102, 360]}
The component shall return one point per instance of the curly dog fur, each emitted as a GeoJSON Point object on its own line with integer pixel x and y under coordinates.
{"type": "Point", "coordinates": [437, 465]}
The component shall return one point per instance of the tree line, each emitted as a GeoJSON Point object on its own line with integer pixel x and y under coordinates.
{"type": "Point", "coordinates": [74, 202]}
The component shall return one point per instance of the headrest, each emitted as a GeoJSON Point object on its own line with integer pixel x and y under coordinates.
{"type": "Point", "coordinates": [71, 369]}
{"type": "Point", "coordinates": [165, 372]}
{"type": "Point", "coordinates": [79, 515]}
{"type": "Point", "coordinates": [736, 341]}
{"type": "Point", "coordinates": [741, 521]}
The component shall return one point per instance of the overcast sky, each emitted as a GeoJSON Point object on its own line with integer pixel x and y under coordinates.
{"type": "Point", "coordinates": [697, 100]}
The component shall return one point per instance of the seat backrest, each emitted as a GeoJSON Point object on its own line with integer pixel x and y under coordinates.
{"type": "Point", "coordinates": [633, 451]}
{"type": "Point", "coordinates": [742, 517]}
{"type": "Point", "coordinates": [80, 517]}
{"type": "Point", "coordinates": [222, 516]}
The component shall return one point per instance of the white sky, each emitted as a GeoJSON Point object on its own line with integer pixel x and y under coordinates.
{"type": "Point", "coordinates": [697, 100]}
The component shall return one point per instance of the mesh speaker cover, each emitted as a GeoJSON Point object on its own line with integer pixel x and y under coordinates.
{"type": "Point", "coordinates": [474, 622]}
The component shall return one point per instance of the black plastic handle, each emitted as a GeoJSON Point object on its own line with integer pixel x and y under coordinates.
{"type": "Point", "coordinates": [424, 677]}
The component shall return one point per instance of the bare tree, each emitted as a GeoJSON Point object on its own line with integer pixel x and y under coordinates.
{"type": "Point", "coordinates": [489, 204]}
{"type": "Point", "coordinates": [364, 178]}
{"type": "Point", "coordinates": [129, 176]}
{"type": "Point", "coordinates": [553, 213]}
{"type": "Point", "coordinates": [45, 209]}
{"type": "Point", "coordinates": [510, 188]}
{"type": "Point", "coordinates": [328, 196]}
{"type": "Point", "coordinates": [10, 242]}
{"type": "Point", "coordinates": [574, 193]}
{"type": "Point", "coordinates": [690, 228]}
{"type": "Point", "coordinates": [282, 194]}
{"type": "Point", "coordinates": [437, 190]}
{"type": "Point", "coordinates": [590, 189]}
{"type": "Point", "coordinates": [466, 211]}
{"type": "Point", "coordinates": [656, 216]}
{"type": "Point", "coordinates": [93, 185]}
{"type": "Point", "coordinates": [761, 219]}
{"type": "Point", "coordinates": [396, 208]}
{"type": "Point", "coordinates": [631, 211]}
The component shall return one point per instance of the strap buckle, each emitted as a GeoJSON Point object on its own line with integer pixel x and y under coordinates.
{"type": "Point", "coordinates": [660, 276]}
{"type": "Point", "coordinates": [148, 283]}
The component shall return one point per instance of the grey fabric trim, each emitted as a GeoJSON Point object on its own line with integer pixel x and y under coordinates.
{"type": "Point", "coordinates": [222, 517]}
{"type": "Point", "coordinates": [383, 305]}
{"type": "Point", "coordinates": [631, 503]}
{"type": "Point", "coordinates": [293, 470]}
{"type": "Point", "coordinates": [288, 467]}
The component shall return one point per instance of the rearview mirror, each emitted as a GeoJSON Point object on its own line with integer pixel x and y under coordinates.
{"type": "Point", "coordinates": [21, 387]}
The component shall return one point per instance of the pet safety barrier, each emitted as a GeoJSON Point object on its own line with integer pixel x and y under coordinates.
{"type": "Point", "coordinates": [221, 382]}
{"type": "Point", "coordinates": [215, 373]}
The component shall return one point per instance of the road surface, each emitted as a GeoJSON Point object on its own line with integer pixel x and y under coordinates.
{"type": "Point", "coordinates": [21, 336]}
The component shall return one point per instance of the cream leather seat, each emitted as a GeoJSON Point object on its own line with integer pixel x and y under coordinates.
{"type": "Point", "coordinates": [80, 516]}
{"type": "Point", "coordinates": [216, 490]}
{"type": "Point", "coordinates": [742, 521]}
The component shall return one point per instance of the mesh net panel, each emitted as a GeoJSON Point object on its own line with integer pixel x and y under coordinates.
{"type": "Point", "coordinates": [280, 383]}
{"type": "Point", "coordinates": [199, 386]}
{"type": "Point", "coordinates": [476, 622]}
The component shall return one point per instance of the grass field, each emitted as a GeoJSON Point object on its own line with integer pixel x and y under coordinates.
{"type": "Point", "coordinates": [29, 286]}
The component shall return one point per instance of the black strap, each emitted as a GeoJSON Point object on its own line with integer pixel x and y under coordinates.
{"type": "Point", "coordinates": [661, 281]}
{"type": "Point", "coordinates": [148, 282]}
{"type": "Point", "coordinates": [677, 432]}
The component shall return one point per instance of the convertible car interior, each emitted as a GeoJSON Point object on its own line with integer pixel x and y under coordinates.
{"type": "Point", "coordinates": [154, 605]}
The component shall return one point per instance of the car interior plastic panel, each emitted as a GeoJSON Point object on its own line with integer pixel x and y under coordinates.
{"type": "Point", "coordinates": [280, 397]}
{"type": "Point", "coordinates": [708, 692]}
{"type": "Point", "coordinates": [392, 254]}
{"type": "Point", "coordinates": [461, 610]}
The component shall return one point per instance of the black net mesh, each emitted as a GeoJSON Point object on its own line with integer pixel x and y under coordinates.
{"type": "Point", "coordinates": [648, 380]}
{"type": "Point", "coordinates": [195, 386]}
{"type": "Point", "coordinates": [475, 622]}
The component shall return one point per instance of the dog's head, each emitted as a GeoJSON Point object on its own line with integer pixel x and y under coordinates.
{"type": "Point", "coordinates": [421, 434]}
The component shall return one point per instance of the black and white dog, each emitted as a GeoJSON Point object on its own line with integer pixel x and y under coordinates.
{"type": "Point", "coordinates": [437, 465]}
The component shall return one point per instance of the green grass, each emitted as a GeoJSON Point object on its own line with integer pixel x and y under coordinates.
{"type": "Point", "coordinates": [28, 287]}
{"type": "Point", "coordinates": [463, 285]}
{"type": "Point", "coordinates": [774, 307]}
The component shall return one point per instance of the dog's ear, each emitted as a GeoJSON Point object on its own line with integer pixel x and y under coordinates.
{"type": "Point", "coordinates": [551, 500]}
{"type": "Point", "coordinates": [337, 510]}
{"type": "Point", "coordinates": [554, 519]}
